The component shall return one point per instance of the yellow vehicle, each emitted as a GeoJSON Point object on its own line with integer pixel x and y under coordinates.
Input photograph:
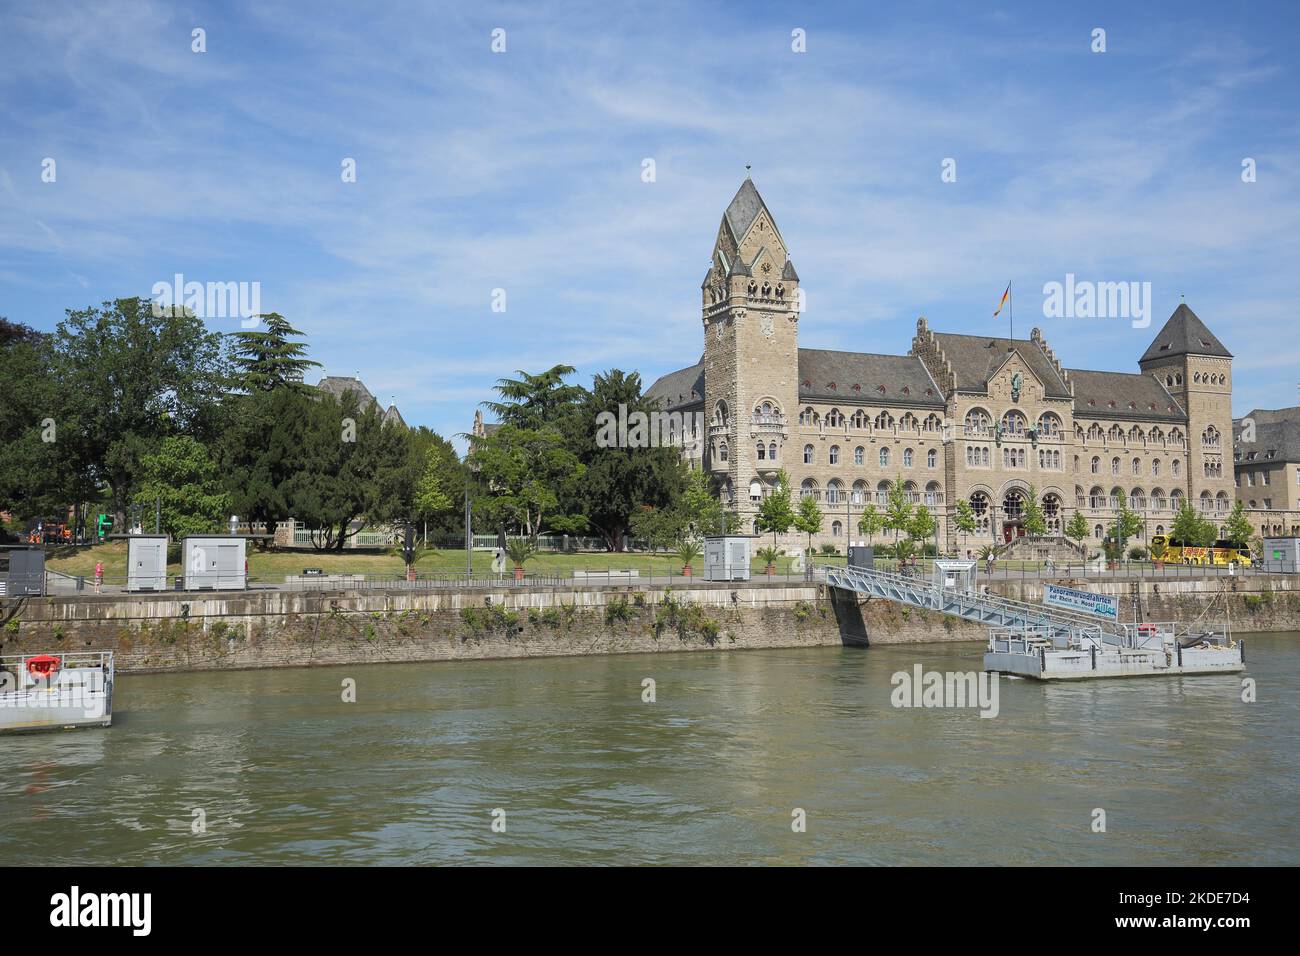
{"type": "Point", "coordinates": [1222, 554]}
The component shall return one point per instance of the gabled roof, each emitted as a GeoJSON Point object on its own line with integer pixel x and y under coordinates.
{"type": "Point", "coordinates": [743, 210]}
{"type": "Point", "coordinates": [827, 375]}
{"type": "Point", "coordinates": [1184, 334]}
{"type": "Point", "coordinates": [1124, 395]}
{"type": "Point", "coordinates": [976, 358]}
{"type": "Point", "coordinates": [680, 388]}
{"type": "Point", "coordinates": [336, 385]}
{"type": "Point", "coordinates": [788, 272]}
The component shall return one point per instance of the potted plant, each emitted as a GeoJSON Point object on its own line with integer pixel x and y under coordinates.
{"type": "Point", "coordinates": [688, 549]}
{"type": "Point", "coordinates": [768, 555]}
{"type": "Point", "coordinates": [519, 550]}
{"type": "Point", "coordinates": [1158, 552]}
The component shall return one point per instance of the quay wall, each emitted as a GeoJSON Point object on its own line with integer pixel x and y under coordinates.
{"type": "Point", "coordinates": [286, 628]}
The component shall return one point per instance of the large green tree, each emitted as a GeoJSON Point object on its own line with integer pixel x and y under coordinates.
{"type": "Point", "coordinates": [1237, 528]}
{"type": "Point", "coordinates": [180, 480]}
{"type": "Point", "coordinates": [775, 512]}
{"type": "Point", "coordinates": [618, 479]}
{"type": "Point", "coordinates": [268, 359]}
{"type": "Point", "coordinates": [130, 375]}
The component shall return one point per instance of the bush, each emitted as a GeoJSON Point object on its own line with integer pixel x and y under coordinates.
{"type": "Point", "coordinates": [1137, 554]}
{"type": "Point", "coordinates": [829, 549]}
{"type": "Point", "coordinates": [618, 610]}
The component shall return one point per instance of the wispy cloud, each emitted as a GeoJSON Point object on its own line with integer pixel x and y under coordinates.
{"type": "Point", "coordinates": [521, 171]}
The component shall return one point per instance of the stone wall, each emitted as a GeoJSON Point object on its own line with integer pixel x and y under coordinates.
{"type": "Point", "coordinates": [174, 632]}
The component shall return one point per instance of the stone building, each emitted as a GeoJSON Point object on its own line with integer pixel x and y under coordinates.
{"type": "Point", "coordinates": [1266, 461]}
{"type": "Point", "coordinates": [977, 417]}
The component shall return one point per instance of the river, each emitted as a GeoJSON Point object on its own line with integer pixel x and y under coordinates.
{"type": "Point", "coordinates": [274, 767]}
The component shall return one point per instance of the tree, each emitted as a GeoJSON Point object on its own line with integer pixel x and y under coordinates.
{"type": "Point", "coordinates": [809, 518]}
{"type": "Point", "coordinates": [40, 471]}
{"type": "Point", "coordinates": [871, 522]}
{"type": "Point", "coordinates": [260, 451]}
{"type": "Point", "coordinates": [964, 519]}
{"type": "Point", "coordinates": [266, 360]}
{"type": "Point", "coordinates": [536, 401]}
{"type": "Point", "coordinates": [616, 480]}
{"type": "Point", "coordinates": [1127, 524]}
{"type": "Point", "coordinates": [1078, 528]}
{"type": "Point", "coordinates": [775, 513]}
{"type": "Point", "coordinates": [922, 525]}
{"type": "Point", "coordinates": [441, 480]}
{"type": "Point", "coordinates": [356, 470]}
{"type": "Point", "coordinates": [519, 471]}
{"type": "Point", "coordinates": [1190, 529]}
{"type": "Point", "coordinates": [181, 480]}
{"type": "Point", "coordinates": [1238, 529]}
{"type": "Point", "coordinates": [129, 377]}
{"type": "Point", "coordinates": [898, 510]}
{"type": "Point", "coordinates": [701, 509]}
{"type": "Point", "coordinates": [1035, 520]}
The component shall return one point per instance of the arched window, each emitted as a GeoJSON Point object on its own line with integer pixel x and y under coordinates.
{"type": "Point", "coordinates": [762, 451]}
{"type": "Point", "coordinates": [858, 454]}
{"type": "Point", "coordinates": [1137, 466]}
{"type": "Point", "coordinates": [1013, 423]}
{"type": "Point", "coordinates": [977, 422]}
{"type": "Point", "coordinates": [1175, 468]}
{"type": "Point", "coordinates": [720, 413]}
{"type": "Point", "coordinates": [884, 458]}
{"type": "Point", "coordinates": [907, 423]}
{"type": "Point", "coordinates": [835, 418]}
{"type": "Point", "coordinates": [755, 490]}
{"type": "Point", "coordinates": [859, 491]}
{"type": "Point", "coordinates": [771, 452]}
{"type": "Point", "coordinates": [1096, 465]}
{"type": "Point", "coordinates": [722, 451]}
{"type": "Point", "coordinates": [809, 489]}
{"type": "Point", "coordinates": [1155, 467]}
{"type": "Point", "coordinates": [860, 419]}
{"type": "Point", "coordinates": [1114, 466]}
{"type": "Point", "coordinates": [884, 421]}
{"type": "Point", "coordinates": [931, 458]}
{"type": "Point", "coordinates": [1049, 426]}
{"type": "Point", "coordinates": [1210, 437]}
{"type": "Point", "coordinates": [808, 455]}
{"type": "Point", "coordinates": [837, 528]}
{"type": "Point", "coordinates": [907, 458]}
{"type": "Point", "coordinates": [932, 423]}
{"type": "Point", "coordinates": [834, 492]}
{"type": "Point", "coordinates": [933, 494]}
{"type": "Point", "coordinates": [835, 454]}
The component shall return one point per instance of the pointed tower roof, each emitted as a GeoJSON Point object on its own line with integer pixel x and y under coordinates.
{"type": "Point", "coordinates": [1184, 334]}
{"type": "Point", "coordinates": [744, 209]}
{"type": "Point", "coordinates": [788, 272]}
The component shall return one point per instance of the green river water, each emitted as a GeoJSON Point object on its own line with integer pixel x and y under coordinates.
{"type": "Point", "coordinates": [284, 771]}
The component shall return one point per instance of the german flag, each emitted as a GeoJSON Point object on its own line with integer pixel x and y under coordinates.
{"type": "Point", "coordinates": [1005, 296]}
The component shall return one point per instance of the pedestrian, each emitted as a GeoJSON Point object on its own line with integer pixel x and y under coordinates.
{"type": "Point", "coordinates": [99, 576]}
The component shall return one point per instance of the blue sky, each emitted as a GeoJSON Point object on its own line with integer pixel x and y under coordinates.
{"type": "Point", "coordinates": [522, 171]}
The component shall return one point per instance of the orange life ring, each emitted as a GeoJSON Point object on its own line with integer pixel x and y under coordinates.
{"type": "Point", "coordinates": [43, 665]}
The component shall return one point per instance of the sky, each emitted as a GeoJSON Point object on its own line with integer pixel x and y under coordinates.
{"type": "Point", "coordinates": [523, 170]}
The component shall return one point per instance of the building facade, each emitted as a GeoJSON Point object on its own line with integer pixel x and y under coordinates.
{"type": "Point", "coordinates": [979, 418]}
{"type": "Point", "coordinates": [1266, 461]}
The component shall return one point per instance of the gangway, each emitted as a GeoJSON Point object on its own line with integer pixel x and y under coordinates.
{"type": "Point", "coordinates": [1061, 627]}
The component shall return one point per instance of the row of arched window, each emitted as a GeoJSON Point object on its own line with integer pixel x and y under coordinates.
{"type": "Point", "coordinates": [1098, 499]}
{"type": "Point", "coordinates": [862, 494]}
{"type": "Point", "coordinates": [884, 456]}
{"type": "Point", "coordinates": [862, 420]}
{"type": "Point", "coordinates": [1135, 435]}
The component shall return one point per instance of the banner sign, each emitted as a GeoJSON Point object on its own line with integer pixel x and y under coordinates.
{"type": "Point", "coordinates": [1102, 605]}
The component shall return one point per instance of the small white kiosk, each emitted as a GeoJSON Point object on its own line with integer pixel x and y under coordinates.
{"type": "Point", "coordinates": [146, 562]}
{"type": "Point", "coordinates": [955, 575]}
{"type": "Point", "coordinates": [726, 557]}
{"type": "Point", "coordinates": [215, 562]}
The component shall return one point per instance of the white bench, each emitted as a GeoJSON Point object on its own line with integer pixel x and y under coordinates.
{"type": "Point", "coordinates": [606, 575]}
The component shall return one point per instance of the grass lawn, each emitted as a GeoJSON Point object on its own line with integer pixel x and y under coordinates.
{"type": "Point", "coordinates": [274, 565]}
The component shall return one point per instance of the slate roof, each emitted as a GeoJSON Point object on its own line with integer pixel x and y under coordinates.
{"type": "Point", "coordinates": [681, 388]}
{"type": "Point", "coordinates": [975, 358]}
{"type": "Point", "coordinates": [744, 209]}
{"type": "Point", "coordinates": [905, 380]}
{"type": "Point", "coordinates": [1184, 334]}
{"type": "Point", "coordinates": [336, 385]}
{"type": "Point", "coordinates": [1277, 437]}
{"type": "Point", "coordinates": [1123, 395]}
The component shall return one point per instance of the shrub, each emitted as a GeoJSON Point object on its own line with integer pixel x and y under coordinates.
{"type": "Point", "coordinates": [618, 610]}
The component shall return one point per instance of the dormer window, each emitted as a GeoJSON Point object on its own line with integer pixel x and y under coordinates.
{"type": "Point", "coordinates": [880, 389]}
{"type": "Point", "coordinates": [857, 387]}
{"type": "Point", "coordinates": [906, 390]}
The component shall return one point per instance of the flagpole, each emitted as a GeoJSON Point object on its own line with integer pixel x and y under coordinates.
{"type": "Point", "coordinates": [1011, 310]}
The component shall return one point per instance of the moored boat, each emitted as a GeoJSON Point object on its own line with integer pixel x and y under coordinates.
{"type": "Point", "coordinates": [56, 691]}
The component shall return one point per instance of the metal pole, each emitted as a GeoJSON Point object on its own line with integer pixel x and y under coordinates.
{"type": "Point", "coordinates": [469, 537]}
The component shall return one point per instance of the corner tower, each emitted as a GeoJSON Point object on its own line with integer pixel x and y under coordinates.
{"type": "Point", "coordinates": [1193, 365]}
{"type": "Point", "coordinates": [750, 305]}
